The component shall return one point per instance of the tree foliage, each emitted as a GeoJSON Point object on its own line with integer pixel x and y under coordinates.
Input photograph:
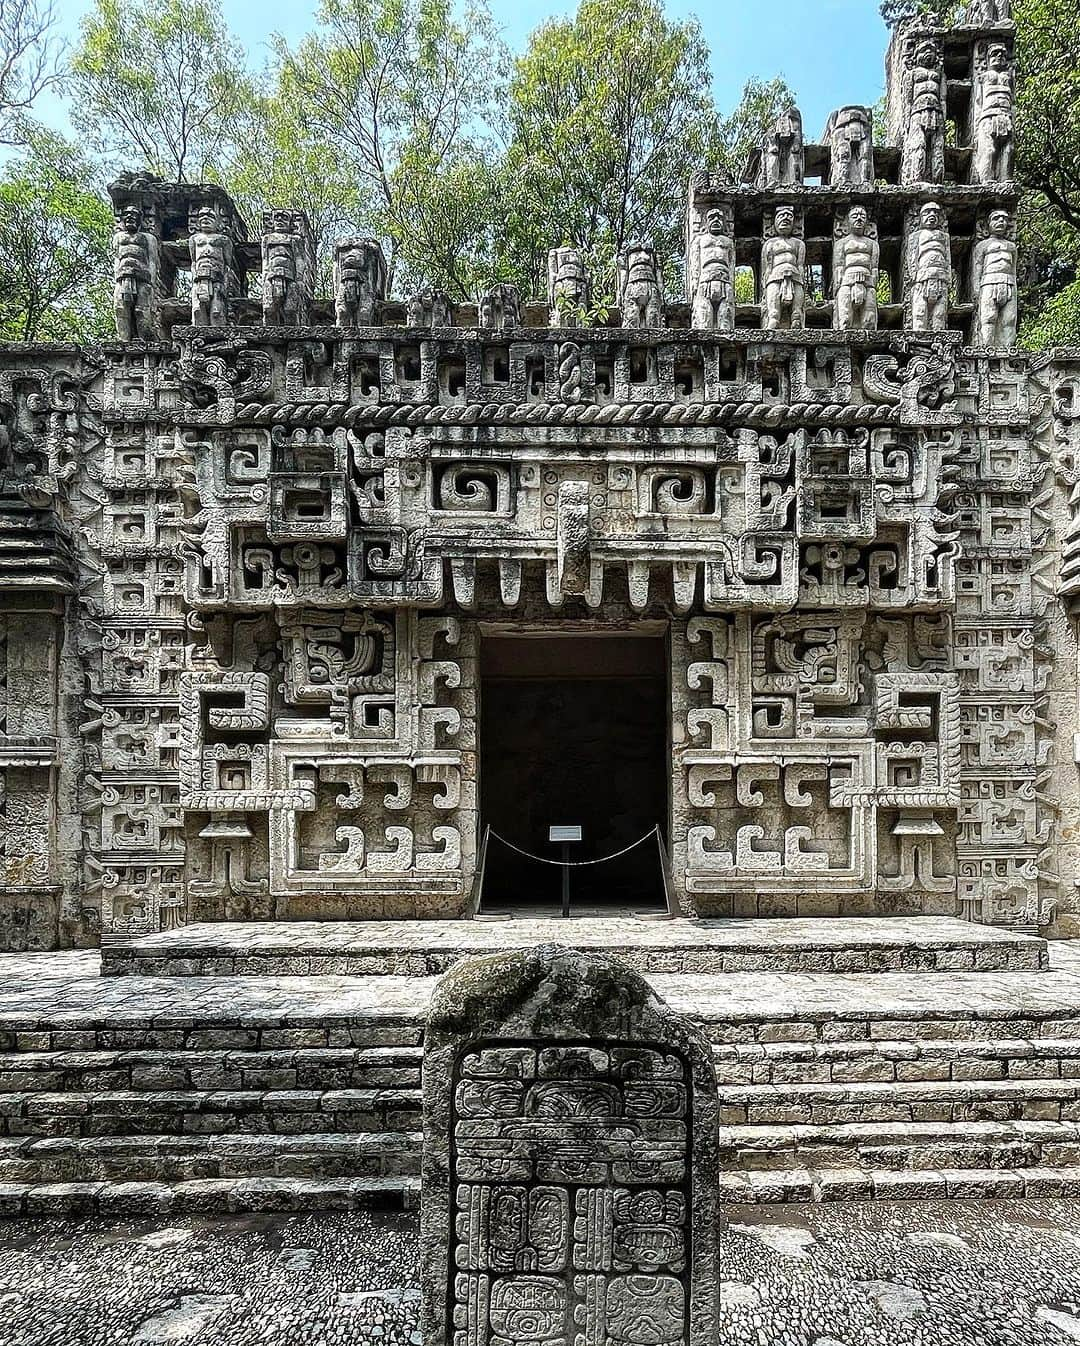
{"type": "Point", "coordinates": [55, 230]}
{"type": "Point", "coordinates": [399, 88]}
{"type": "Point", "coordinates": [159, 84]}
{"type": "Point", "coordinates": [608, 114]}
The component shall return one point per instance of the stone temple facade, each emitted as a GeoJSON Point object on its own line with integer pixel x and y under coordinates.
{"type": "Point", "coordinates": [269, 560]}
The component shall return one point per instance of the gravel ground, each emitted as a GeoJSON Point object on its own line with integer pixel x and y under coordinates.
{"type": "Point", "coordinates": [910, 1274]}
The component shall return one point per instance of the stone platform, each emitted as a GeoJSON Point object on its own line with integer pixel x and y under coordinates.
{"type": "Point", "coordinates": [196, 1094]}
{"type": "Point", "coordinates": [688, 947]}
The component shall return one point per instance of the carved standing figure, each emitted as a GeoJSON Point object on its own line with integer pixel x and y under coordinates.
{"type": "Point", "coordinates": [782, 154]}
{"type": "Point", "coordinates": [640, 295]}
{"type": "Point", "coordinates": [569, 290]}
{"type": "Point", "coordinates": [924, 138]}
{"type": "Point", "coordinates": [135, 272]}
{"type": "Point", "coordinates": [850, 136]}
{"type": "Point", "coordinates": [359, 281]}
{"type": "Point", "coordinates": [783, 270]}
{"type": "Point", "coordinates": [288, 263]}
{"type": "Point", "coordinates": [986, 13]}
{"type": "Point", "coordinates": [995, 98]}
{"type": "Point", "coordinates": [710, 271]}
{"type": "Point", "coordinates": [500, 308]}
{"type": "Point", "coordinates": [994, 286]}
{"type": "Point", "coordinates": [930, 260]}
{"type": "Point", "coordinates": [856, 268]}
{"type": "Point", "coordinates": [430, 308]}
{"type": "Point", "coordinates": [211, 247]}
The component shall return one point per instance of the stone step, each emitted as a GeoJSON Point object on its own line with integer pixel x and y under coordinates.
{"type": "Point", "coordinates": [683, 947]}
{"type": "Point", "coordinates": [157, 1158]}
{"type": "Point", "coordinates": [902, 1145]}
{"type": "Point", "coordinates": [919, 1101]}
{"type": "Point", "coordinates": [275, 1068]}
{"type": "Point", "coordinates": [873, 1061]}
{"type": "Point", "coordinates": [205, 1196]}
{"type": "Point", "coordinates": [175, 1028]}
{"type": "Point", "coordinates": [846, 1184]}
{"type": "Point", "coordinates": [209, 1112]}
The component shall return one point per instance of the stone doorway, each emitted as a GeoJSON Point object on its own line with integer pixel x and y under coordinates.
{"type": "Point", "coordinates": [574, 729]}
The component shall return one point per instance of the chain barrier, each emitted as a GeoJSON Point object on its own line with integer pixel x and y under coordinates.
{"type": "Point", "coordinates": [575, 864]}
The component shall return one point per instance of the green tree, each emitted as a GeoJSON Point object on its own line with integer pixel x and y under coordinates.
{"type": "Point", "coordinates": [609, 112]}
{"type": "Point", "coordinates": [401, 89]}
{"type": "Point", "coordinates": [744, 129]}
{"type": "Point", "coordinates": [159, 84]}
{"type": "Point", "coordinates": [279, 160]}
{"type": "Point", "coordinates": [55, 232]}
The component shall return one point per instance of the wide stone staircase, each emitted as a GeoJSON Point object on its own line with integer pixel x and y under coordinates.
{"type": "Point", "coordinates": [185, 1092]}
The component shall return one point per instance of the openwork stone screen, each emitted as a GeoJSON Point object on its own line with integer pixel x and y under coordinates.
{"type": "Point", "coordinates": [249, 552]}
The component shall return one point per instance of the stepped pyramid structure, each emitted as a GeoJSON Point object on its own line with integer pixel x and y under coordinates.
{"type": "Point", "coordinates": [322, 615]}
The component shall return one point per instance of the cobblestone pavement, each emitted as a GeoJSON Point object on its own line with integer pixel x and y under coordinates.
{"type": "Point", "coordinates": [912, 1274]}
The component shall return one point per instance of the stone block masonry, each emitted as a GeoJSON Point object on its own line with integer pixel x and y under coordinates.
{"type": "Point", "coordinates": [251, 552]}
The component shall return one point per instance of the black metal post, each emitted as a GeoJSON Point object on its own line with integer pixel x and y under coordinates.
{"type": "Point", "coordinates": [566, 880]}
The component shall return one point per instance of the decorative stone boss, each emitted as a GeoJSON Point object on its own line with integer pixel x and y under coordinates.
{"type": "Point", "coordinates": [570, 1159]}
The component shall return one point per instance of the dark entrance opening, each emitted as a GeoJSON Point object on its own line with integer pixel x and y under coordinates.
{"type": "Point", "coordinates": [574, 730]}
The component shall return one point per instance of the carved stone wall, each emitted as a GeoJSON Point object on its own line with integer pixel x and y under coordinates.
{"type": "Point", "coordinates": [248, 553]}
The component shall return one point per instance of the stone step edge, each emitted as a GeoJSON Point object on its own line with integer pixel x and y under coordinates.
{"type": "Point", "coordinates": [793, 1186]}
{"type": "Point", "coordinates": [247, 1195]}
{"type": "Point", "coordinates": [207, 1195]}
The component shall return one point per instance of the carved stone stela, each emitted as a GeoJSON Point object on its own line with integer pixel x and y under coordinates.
{"type": "Point", "coordinates": [251, 550]}
{"type": "Point", "coordinates": [573, 1185]}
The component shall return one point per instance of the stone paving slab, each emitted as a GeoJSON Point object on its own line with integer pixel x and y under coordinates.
{"type": "Point", "coordinates": [892, 1273]}
{"type": "Point", "coordinates": [424, 948]}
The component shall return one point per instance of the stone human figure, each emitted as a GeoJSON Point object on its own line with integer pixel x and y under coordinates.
{"type": "Point", "coordinates": [782, 158]}
{"type": "Point", "coordinates": [850, 136]}
{"type": "Point", "coordinates": [210, 244]}
{"type": "Point", "coordinates": [856, 268]}
{"type": "Point", "coordinates": [640, 296]}
{"type": "Point", "coordinates": [986, 13]}
{"type": "Point", "coordinates": [710, 271]}
{"type": "Point", "coordinates": [995, 98]}
{"type": "Point", "coordinates": [930, 261]}
{"type": "Point", "coordinates": [994, 287]}
{"type": "Point", "coordinates": [924, 137]}
{"type": "Point", "coordinates": [136, 261]}
{"type": "Point", "coordinates": [783, 272]}
{"type": "Point", "coordinates": [288, 263]}
{"type": "Point", "coordinates": [500, 308]}
{"type": "Point", "coordinates": [359, 281]}
{"type": "Point", "coordinates": [568, 286]}
{"type": "Point", "coordinates": [430, 308]}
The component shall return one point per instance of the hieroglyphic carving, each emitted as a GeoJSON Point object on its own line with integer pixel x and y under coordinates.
{"type": "Point", "coordinates": [569, 1159]}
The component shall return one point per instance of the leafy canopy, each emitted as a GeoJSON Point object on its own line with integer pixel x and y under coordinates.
{"type": "Point", "coordinates": [160, 84]}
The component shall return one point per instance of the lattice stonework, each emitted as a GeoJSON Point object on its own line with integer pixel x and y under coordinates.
{"type": "Point", "coordinates": [239, 663]}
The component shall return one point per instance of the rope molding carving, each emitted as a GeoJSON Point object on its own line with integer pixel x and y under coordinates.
{"type": "Point", "coordinates": [645, 413]}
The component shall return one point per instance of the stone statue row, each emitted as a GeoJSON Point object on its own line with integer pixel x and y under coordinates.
{"type": "Point", "coordinates": [360, 276]}
{"type": "Point", "coordinates": [925, 117]}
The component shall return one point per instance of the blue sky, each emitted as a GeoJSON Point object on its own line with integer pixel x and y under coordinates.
{"type": "Point", "coordinates": [830, 51]}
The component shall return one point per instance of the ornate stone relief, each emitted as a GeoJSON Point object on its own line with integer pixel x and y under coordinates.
{"type": "Point", "coordinates": [247, 551]}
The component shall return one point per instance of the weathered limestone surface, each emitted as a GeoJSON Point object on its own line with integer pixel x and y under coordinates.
{"type": "Point", "coordinates": [250, 551]}
{"type": "Point", "coordinates": [424, 948]}
{"type": "Point", "coordinates": [570, 1158]}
